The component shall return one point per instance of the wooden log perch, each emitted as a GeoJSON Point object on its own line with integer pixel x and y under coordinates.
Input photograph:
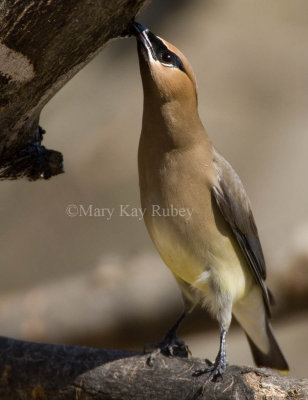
{"type": "Point", "coordinates": [47, 371]}
{"type": "Point", "coordinates": [43, 44]}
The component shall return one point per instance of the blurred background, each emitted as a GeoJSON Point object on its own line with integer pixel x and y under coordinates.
{"type": "Point", "coordinates": [98, 282]}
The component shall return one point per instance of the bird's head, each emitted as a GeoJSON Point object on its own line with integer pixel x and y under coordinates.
{"type": "Point", "coordinates": [166, 73]}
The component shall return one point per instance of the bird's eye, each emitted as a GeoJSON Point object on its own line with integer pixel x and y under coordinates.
{"type": "Point", "coordinates": [166, 57]}
{"type": "Point", "coordinates": [169, 59]}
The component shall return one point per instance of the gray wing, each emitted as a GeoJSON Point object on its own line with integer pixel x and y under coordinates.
{"type": "Point", "coordinates": [234, 205]}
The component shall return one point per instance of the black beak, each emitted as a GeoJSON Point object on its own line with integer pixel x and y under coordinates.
{"type": "Point", "coordinates": [147, 39]}
{"type": "Point", "coordinates": [136, 29]}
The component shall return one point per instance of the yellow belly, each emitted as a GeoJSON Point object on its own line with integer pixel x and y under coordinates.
{"type": "Point", "coordinates": [209, 264]}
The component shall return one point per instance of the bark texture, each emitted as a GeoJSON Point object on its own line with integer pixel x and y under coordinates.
{"type": "Point", "coordinates": [47, 371]}
{"type": "Point", "coordinates": [42, 45]}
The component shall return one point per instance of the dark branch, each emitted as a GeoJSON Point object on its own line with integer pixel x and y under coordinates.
{"type": "Point", "coordinates": [47, 371]}
{"type": "Point", "coordinates": [43, 44]}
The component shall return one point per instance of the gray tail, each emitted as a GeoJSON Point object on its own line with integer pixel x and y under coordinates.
{"type": "Point", "coordinates": [274, 358]}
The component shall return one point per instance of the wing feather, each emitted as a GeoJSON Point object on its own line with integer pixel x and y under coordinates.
{"type": "Point", "coordinates": [234, 205]}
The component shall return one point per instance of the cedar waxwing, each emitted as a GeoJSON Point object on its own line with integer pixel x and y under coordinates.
{"type": "Point", "coordinates": [197, 211]}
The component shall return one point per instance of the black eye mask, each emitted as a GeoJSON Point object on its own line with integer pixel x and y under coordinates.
{"type": "Point", "coordinates": [163, 54]}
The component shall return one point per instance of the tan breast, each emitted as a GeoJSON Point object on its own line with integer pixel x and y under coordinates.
{"type": "Point", "coordinates": [186, 227]}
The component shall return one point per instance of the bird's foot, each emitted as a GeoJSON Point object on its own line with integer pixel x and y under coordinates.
{"type": "Point", "coordinates": [216, 369]}
{"type": "Point", "coordinates": [170, 346]}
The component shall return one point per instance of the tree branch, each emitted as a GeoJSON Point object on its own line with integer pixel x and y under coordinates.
{"type": "Point", "coordinates": [48, 371]}
{"type": "Point", "coordinates": [43, 44]}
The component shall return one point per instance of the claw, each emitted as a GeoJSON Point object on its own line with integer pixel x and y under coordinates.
{"type": "Point", "coordinates": [152, 356]}
{"type": "Point", "coordinates": [170, 346]}
{"type": "Point", "coordinates": [208, 362]}
{"type": "Point", "coordinates": [217, 368]}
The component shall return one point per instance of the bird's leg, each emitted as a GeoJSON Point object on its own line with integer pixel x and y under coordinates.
{"type": "Point", "coordinates": [170, 345]}
{"type": "Point", "coordinates": [217, 368]}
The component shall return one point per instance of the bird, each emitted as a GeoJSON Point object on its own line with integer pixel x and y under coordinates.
{"type": "Point", "coordinates": [209, 241]}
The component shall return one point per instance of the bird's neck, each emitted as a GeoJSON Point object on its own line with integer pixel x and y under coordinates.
{"type": "Point", "coordinates": [172, 124]}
